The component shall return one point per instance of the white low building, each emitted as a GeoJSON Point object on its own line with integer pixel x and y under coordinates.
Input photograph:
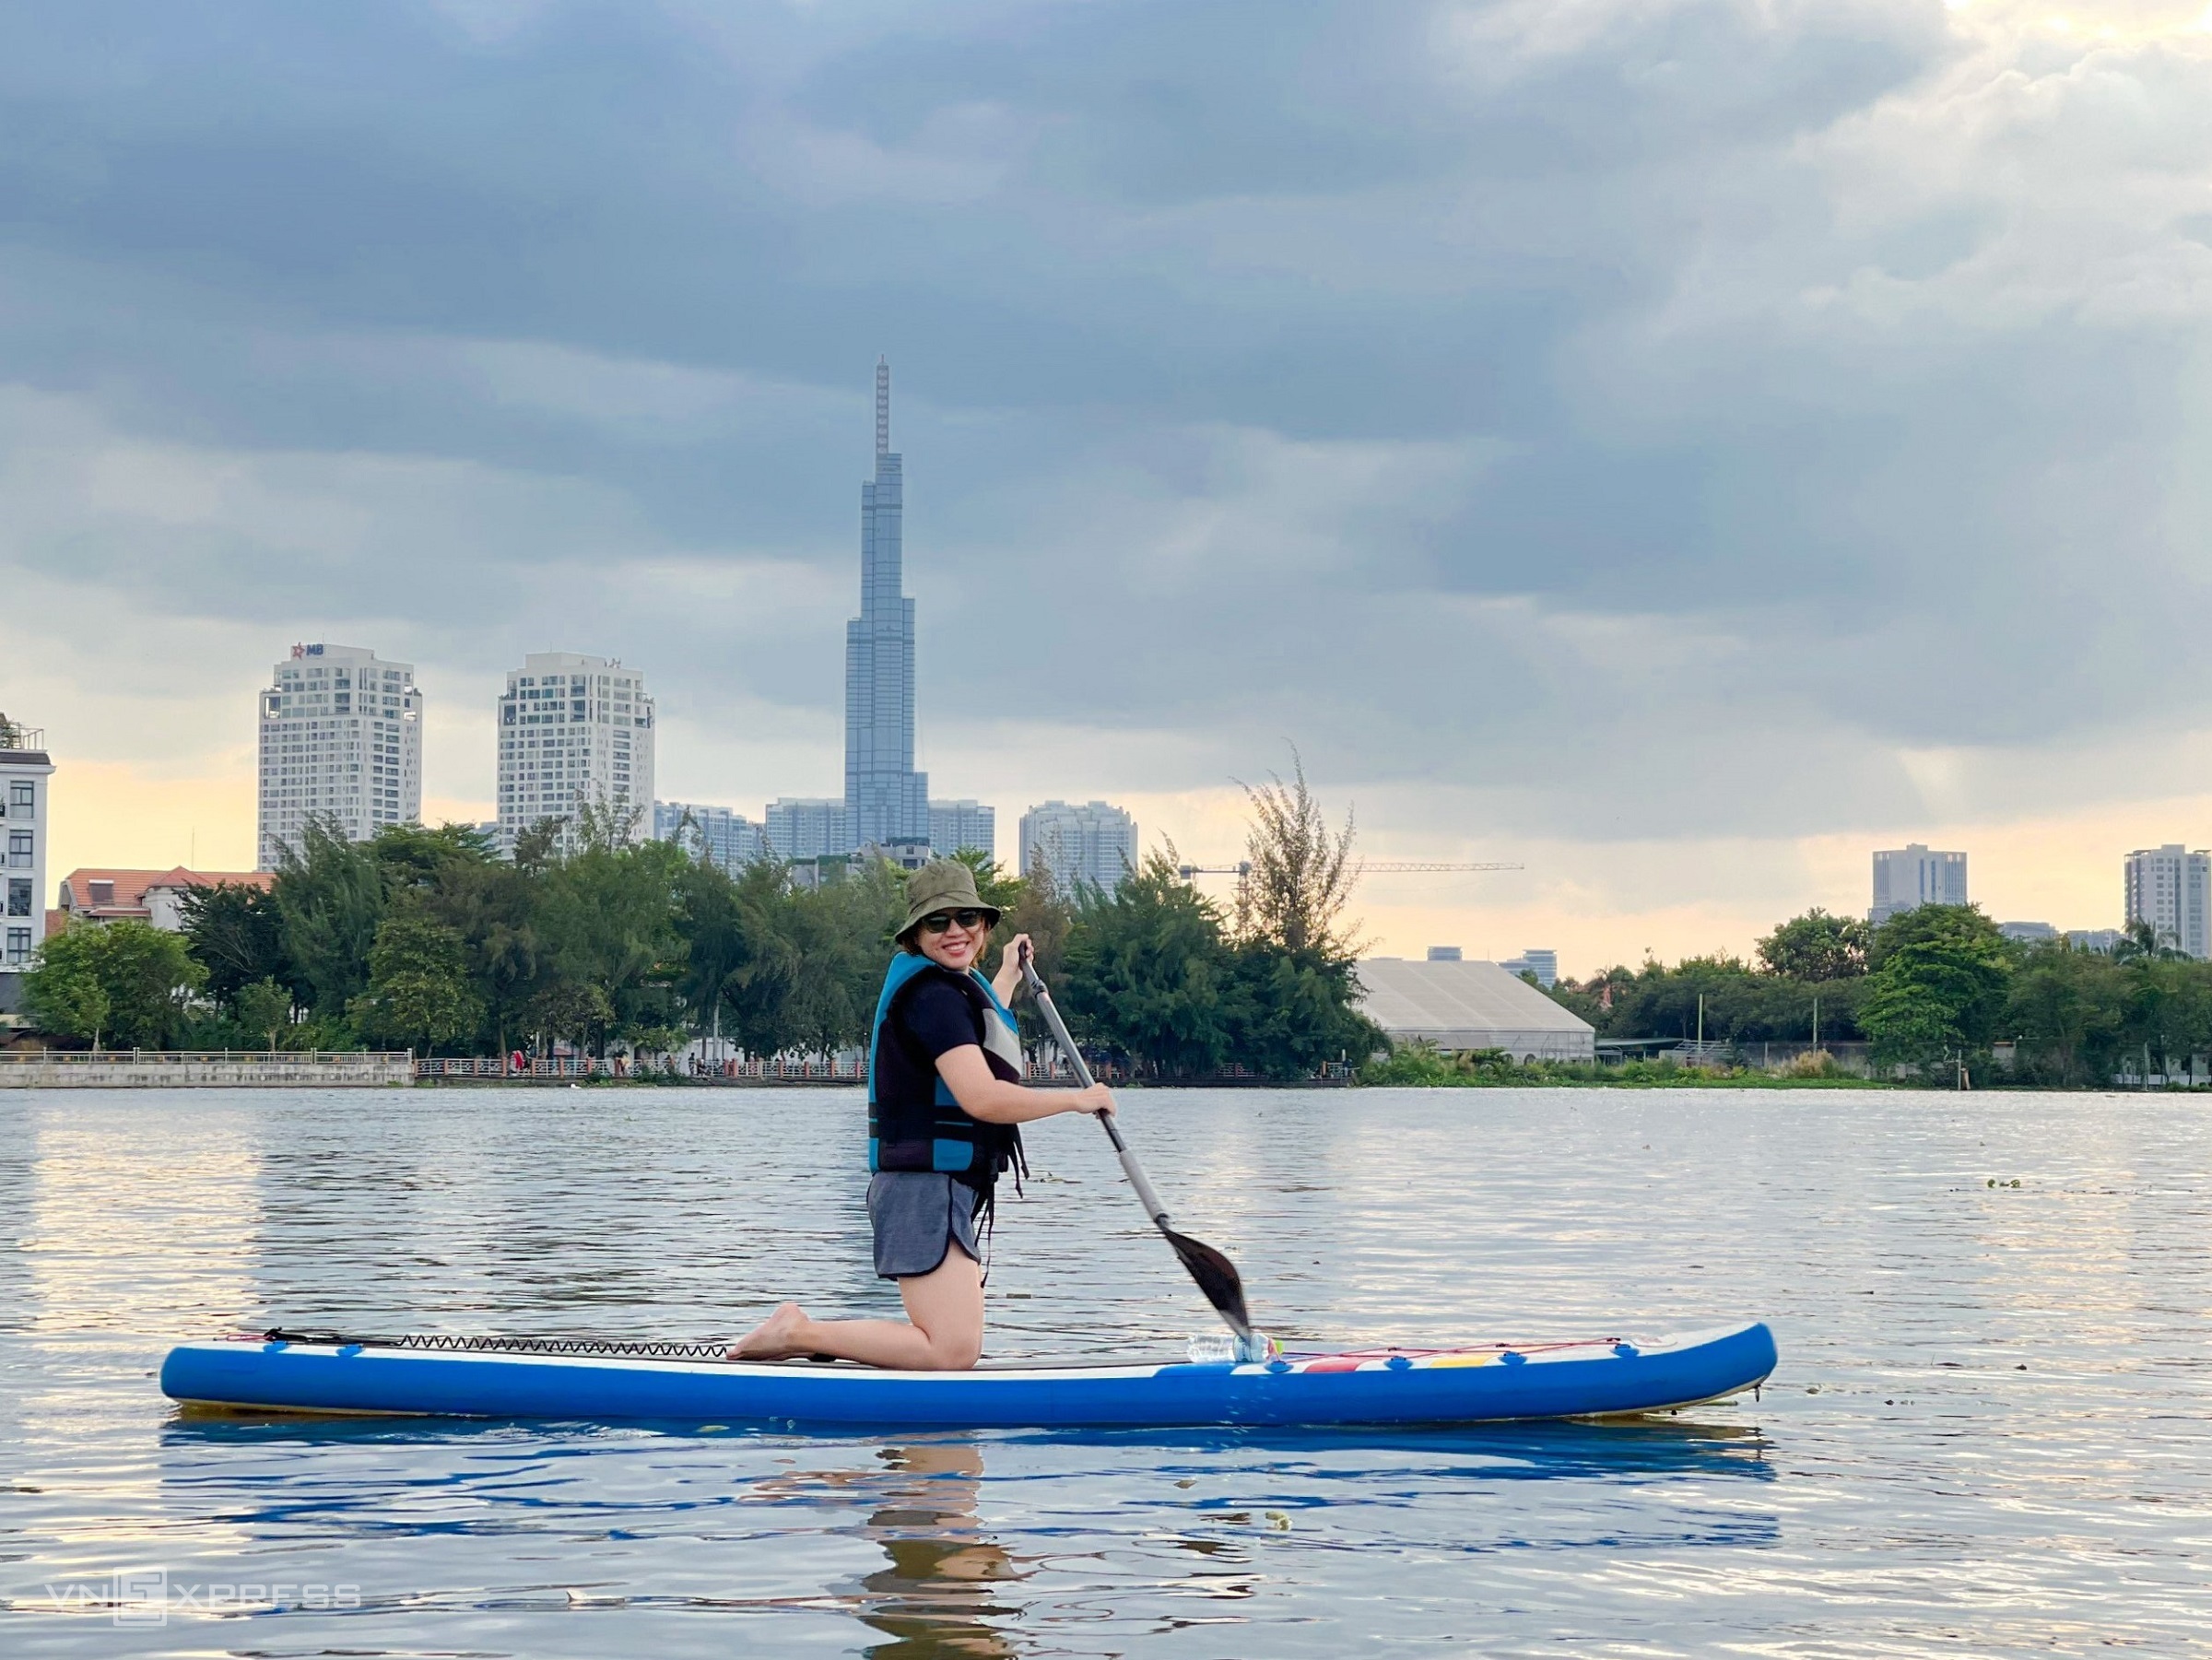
{"type": "Point", "coordinates": [1466, 1006]}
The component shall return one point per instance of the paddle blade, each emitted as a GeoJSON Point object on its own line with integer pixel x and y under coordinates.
{"type": "Point", "coordinates": [1217, 1276]}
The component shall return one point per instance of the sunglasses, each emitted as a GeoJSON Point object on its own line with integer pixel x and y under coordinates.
{"type": "Point", "coordinates": [936, 922]}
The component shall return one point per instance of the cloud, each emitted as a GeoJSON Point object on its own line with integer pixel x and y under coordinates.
{"type": "Point", "coordinates": [1684, 423]}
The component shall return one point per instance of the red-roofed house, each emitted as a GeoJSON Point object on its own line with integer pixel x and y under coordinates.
{"type": "Point", "coordinates": [149, 896]}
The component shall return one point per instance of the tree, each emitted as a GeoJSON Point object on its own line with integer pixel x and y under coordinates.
{"type": "Point", "coordinates": [237, 934]}
{"type": "Point", "coordinates": [330, 894]}
{"type": "Point", "coordinates": [711, 919]}
{"type": "Point", "coordinates": [1048, 916]}
{"type": "Point", "coordinates": [752, 959]}
{"type": "Point", "coordinates": [608, 825]}
{"type": "Point", "coordinates": [566, 1009]}
{"type": "Point", "coordinates": [2140, 941]}
{"type": "Point", "coordinates": [1738, 1006]}
{"type": "Point", "coordinates": [606, 919]}
{"type": "Point", "coordinates": [141, 974]}
{"type": "Point", "coordinates": [1936, 983]}
{"type": "Point", "coordinates": [263, 1007]}
{"type": "Point", "coordinates": [416, 857]}
{"type": "Point", "coordinates": [1816, 946]}
{"type": "Point", "coordinates": [835, 940]}
{"type": "Point", "coordinates": [1294, 1010]}
{"type": "Point", "coordinates": [495, 908]}
{"type": "Point", "coordinates": [63, 988]}
{"type": "Point", "coordinates": [1301, 873]}
{"type": "Point", "coordinates": [419, 996]}
{"type": "Point", "coordinates": [1147, 973]}
{"type": "Point", "coordinates": [2168, 1009]}
{"type": "Point", "coordinates": [663, 1041]}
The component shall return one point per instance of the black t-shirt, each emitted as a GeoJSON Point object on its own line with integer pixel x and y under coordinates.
{"type": "Point", "coordinates": [930, 1018]}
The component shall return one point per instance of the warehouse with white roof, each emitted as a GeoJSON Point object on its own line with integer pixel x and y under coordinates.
{"type": "Point", "coordinates": [1464, 1006]}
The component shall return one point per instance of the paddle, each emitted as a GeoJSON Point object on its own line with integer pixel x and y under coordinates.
{"type": "Point", "coordinates": [1216, 1275]}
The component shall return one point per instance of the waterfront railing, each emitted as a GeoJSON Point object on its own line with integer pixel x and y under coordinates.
{"type": "Point", "coordinates": [190, 1068]}
{"type": "Point", "coordinates": [273, 1060]}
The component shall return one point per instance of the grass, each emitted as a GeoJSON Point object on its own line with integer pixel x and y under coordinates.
{"type": "Point", "coordinates": [1418, 1066]}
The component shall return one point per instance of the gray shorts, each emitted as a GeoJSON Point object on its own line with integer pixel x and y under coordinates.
{"type": "Point", "coordinates": [916, 1214]}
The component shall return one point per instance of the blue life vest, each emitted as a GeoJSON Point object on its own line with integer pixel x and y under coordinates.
{"type": "Point", "coordinates": [932, 1133]}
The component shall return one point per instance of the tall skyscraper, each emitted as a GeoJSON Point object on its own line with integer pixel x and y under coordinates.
{"type": "Point", "coordinates": [1094, 843]}
{"type": "Point", "coordinates": [341, 740]}
{"type": "Point", "coordinates": [25, 768]}
{"type": "Point", "coordinates": [575, 732]}
{"type": "Point", "coordinates": [954, 825]}
{"type": "Point", "coordinates": [714, 833]}
{"type": "Point", "coordinates": [1910, 876]}
{"type": "Point", "coordinates": [2171, 888]}
{"type": "Point", "coordinates": [887, 802]}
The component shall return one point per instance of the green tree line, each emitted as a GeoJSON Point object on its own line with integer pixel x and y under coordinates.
{"type": "Point", "coordinates": [1929, 990]}
{"type": "Point", "coordinates": [425, 940]}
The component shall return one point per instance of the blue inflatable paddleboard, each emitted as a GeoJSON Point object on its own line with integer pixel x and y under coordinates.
{"type": "Point", "coordinates": [494, 1378]}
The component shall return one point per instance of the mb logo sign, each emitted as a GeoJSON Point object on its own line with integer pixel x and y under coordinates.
{"type": "Point", "coordinates": [147, 1596]}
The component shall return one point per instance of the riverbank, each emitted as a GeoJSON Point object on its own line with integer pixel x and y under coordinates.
{"type": "Point", "coordinates": [1421, 1068]}
{"type": "Point", "coordinates": [1674, 1078]}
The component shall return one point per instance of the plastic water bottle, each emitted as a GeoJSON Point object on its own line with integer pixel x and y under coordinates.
{"type": "Point", "coordinates": [1218, 1348]}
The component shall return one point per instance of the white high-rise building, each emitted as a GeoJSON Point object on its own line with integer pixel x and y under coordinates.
{"type": "Point", "coordinates": [575, 732]}
{"type": "Point", "coordinates": [714, 833]}
{"type": "Point", "coordinates": [24, 767]}
{"type": "Point", "coordinates": [1094, 844]}
{"type": "Point", "coordinates": [1909, 876]}
{"type": "Point", "coordinates": [807, 826]}
{"type": "Point", "coordinates": [341, 740]}
{"type": "Point", "coordinates": [954, 825]}
{"type": "Point", "coordinates": [2171, 888]}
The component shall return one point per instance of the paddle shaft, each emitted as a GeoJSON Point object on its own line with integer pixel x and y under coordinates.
{"type": "Point", "coordinates": [1129, 1167]}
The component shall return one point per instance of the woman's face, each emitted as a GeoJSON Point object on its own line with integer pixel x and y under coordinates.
{"type": "Point", "coordinates": [958, 945]}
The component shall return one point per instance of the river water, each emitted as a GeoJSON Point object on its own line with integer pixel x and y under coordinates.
{"type": "Point", "coordinates": [1989, 1433]}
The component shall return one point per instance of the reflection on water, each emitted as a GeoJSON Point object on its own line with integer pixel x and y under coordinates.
{"type": "Point", "coordinates": [1991, 1429]}
{"type": "Point", "coordinates": [944, 1594]}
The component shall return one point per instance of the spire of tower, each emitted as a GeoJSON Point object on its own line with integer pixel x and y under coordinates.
{"type": "Point", "coordinates": [883, 407]}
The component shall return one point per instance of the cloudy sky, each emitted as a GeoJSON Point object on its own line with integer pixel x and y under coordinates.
{"type": "Point", "coordinates": [1675, 446]}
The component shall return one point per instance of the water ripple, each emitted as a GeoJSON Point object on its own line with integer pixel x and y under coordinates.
{"type": "Point", "coordinates": [1990, 1434]}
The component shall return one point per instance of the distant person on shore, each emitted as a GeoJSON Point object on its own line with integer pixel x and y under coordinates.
{"type": "Point", "coordinates": [945, 1104]}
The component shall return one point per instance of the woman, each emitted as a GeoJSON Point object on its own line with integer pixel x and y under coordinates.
{"type": "Point", "coordinates": [944, 1104]}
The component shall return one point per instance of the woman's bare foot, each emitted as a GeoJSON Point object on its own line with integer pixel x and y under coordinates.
{"type": "Point", "coordinates": [775, 1338]}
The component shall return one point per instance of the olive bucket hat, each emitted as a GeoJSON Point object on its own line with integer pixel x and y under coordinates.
{"type": "Point", "coordinates": [941, 885]}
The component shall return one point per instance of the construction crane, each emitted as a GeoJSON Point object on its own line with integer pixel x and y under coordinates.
{"type": "Point", "coordinates": [1392, 866]}
{"type": "Point", "coordinates": [1190, 873]}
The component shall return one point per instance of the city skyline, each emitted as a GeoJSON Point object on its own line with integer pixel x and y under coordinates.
{"type": "Point", "coordinates": [1586, 949]}
{"type": "Point", "coordinates": [1829, 427]}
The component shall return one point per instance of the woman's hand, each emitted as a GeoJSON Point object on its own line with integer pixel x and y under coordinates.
{"type": "Point", "coordinates": [1096, 1100]}
{"type": "Point", "coordinates": [1007, 983]}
